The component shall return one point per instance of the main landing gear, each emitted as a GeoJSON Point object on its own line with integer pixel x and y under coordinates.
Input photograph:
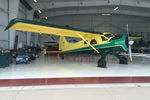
{"type": "Point", "coordinates": [123, 60]}
{"type": "Point", "coordinates": [102, 61]}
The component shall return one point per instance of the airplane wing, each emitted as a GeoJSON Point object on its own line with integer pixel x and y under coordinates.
{"type": "Point", "coordinates": [39, 27]}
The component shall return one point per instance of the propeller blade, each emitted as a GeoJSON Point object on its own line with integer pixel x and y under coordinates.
{"type": "Point", "coordinates": [130, 53]}
{"type": "Point", "coordinates": [130, 43]}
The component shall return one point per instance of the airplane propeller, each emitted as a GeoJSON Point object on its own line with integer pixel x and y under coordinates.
{"type": "Point", "coordinates": [130, 42]}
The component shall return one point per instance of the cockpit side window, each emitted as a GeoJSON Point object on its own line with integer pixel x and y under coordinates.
{"type": "Point", "coordinates": [108, 35]}
{"type": "Point", "coordinates": [93, 41]}
{"type": "Point", "coordinates": [103, 38]}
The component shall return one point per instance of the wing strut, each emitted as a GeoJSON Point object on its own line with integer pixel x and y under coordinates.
{"type": "Point", "coordinates": [88, 43]}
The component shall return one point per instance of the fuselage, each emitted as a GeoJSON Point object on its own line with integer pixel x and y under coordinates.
{"type": "Point", "coordinates": [113, 45]}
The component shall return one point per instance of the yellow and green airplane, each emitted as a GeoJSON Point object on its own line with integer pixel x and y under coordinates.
{"type": "Point", "coordinates": [91, 43]}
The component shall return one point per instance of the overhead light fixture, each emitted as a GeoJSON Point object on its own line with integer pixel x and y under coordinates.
{"type": "Point", "coordinates": [116, 8]}
{"type": "Point", "coordinates": [35, 0]}
{"type": "Point", "coordinates": [39, 11]}
{"type": "Point", "coordinates": [106, 14]}
{"type": "Point", "coordinates": [45, 17]}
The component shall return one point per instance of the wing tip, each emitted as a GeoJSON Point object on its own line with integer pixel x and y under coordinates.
{"type": "Point", "coordinates": [16, 20]}
{"type": "Point", "coordinates": [12, 22]}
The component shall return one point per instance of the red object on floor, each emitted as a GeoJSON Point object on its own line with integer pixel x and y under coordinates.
{"type": "Point", "coordinates": [75, 80]}
{"type": "Point", "coordinates": [16, 42]}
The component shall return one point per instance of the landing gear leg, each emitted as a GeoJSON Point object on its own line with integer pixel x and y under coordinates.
{"type": "Point", "coordinates": [123, 60]}
{"type": "Point", "coordinates": [102, 62]}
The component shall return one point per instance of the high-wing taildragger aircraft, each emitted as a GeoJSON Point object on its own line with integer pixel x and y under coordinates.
{"type": "Point", "coordinates": [91, 43]}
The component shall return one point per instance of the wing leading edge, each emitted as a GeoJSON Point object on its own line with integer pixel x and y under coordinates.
{"type": "Point", "coordinates": [39, 27]}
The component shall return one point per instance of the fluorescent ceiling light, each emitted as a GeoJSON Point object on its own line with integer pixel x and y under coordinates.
{"type": "Point", "coordinates": [35, 0]}
{"type": "Point", "coordinates": [39, 11]}
{"type": "Point", "coordinates": [45, 17]}
{"type": "Point", "coordinates": [116, 8]}
{"type": "Point", "coordinates": [106, 14]}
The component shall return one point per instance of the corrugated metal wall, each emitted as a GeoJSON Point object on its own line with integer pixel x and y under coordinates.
{"type": "Point", "coordinates": [3, 22]}
{"type": "Point", "coordinates": [22, 36]}
{"type": "Point", "coordinates": [115, 24]}
{"type": "Point", "coordinates": [4, 35]}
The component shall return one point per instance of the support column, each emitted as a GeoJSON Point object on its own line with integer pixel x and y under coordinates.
{"type": "Point", "coordinates": [36, 39]}
{"type": "Point", "coordinates": [13, 13]}
{"type": "Point", "coordinates": [36, 36]}
{"type": "Point", "coordinates": [29, 16]}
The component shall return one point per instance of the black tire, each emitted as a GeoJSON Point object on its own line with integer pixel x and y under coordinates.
{"type": "Point", "coordinates": [123, 60]}
{"type": "Point", "coordinates": [101, 63]}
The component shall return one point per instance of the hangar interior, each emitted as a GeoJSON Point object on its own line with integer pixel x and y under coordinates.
{"type": "Point", "coordinates": [32, 65]}
{"type": "Point", "coordinates": [94, 15]}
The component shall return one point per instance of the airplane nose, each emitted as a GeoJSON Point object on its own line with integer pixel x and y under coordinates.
{"type": "Point", "coordinates": [131, 42]}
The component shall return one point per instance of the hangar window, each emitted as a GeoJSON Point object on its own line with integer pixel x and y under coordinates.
{"type": "Point", "coordinates": [93, 41]}
{"type": "Point", "coordinates": [103, 38]}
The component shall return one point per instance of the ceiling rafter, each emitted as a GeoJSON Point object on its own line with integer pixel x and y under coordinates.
{"type": "Point", "coordinates": [94, 11]}
{"type": "Point", "coordinates": [51, 4]}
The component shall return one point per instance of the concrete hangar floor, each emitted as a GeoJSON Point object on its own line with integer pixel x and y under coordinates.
{"type": "Point", "coordinates": [76, 66]}
{"type": "Point", "coordinates": [76, 78]}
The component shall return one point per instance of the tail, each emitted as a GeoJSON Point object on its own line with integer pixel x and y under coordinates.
{"type": "Point", "coordinates": [63, 43]}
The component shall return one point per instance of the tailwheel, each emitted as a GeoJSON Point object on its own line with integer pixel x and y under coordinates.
{"type": "Point", "coordinates": [62, 56]}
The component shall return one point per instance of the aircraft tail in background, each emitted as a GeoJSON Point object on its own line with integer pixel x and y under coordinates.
{"type": "Point", "coordinates": [63, 43]}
